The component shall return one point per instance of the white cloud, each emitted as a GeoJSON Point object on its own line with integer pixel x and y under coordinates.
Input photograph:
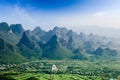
{"type": "Point", "coordinates": [99, 14]}
{"type": "Point", "coordinates": [48, 21]}
{"type": "Point", "coordinates": [23, 15]}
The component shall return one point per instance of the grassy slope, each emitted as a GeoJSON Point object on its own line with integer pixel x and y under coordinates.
{"type": "Point", "coordinates": [57, 53]}
{"type": "Point", "coordinates": [8, 54]}
{"type": "Point", "coordinates": [84, 66]}
{"type": "Point", "coordinates": [57, 77]}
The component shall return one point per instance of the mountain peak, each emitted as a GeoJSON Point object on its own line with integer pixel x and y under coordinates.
{"type": "Point", "coordinates": [4, 27]}
{"type": "Point", "coordinates": [60, 29]}
{"type": "Point", "coordinates": [17, 29]}
{"type": "Point", "coordinates": [54, 49]}
{"type": "Point", "coordinates": [26, 40]}
{"type": "Point", "coordinates": [37, 29]}
{"type": "Point", "coordinates": [53, 40]}
{"type": "Point", "coordinates": [70, 32]}
{"type": "Point", "coordinates": [38, 32]}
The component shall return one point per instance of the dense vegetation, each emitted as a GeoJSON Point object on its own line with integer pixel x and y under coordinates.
{"type": "Point", "coordinates": [29, 55]}
{"type": "Point", "coordinates": [67, 70]}
{"type": "Point", "coordinates": [19, 45]}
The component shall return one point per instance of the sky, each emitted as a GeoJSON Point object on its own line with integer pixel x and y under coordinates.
{"type": "Point", "coordinates": [72, 14]}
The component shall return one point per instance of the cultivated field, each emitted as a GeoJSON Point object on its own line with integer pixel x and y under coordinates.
{"type": "Point", "coordinates": [67, 70]}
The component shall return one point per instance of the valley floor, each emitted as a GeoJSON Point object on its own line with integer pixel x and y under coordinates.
{"type": "Point", "coordinates": [58, 77]}
{"type": "Point", "coordinates": [67, 70]}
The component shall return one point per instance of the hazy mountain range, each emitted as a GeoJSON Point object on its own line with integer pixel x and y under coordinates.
{"type": "Point", "coordinates": [18, 44]}
{"type": "Point", "coordinates": [102, 31]}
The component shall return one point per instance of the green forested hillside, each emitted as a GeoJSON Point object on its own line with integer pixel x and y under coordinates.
{"type": "Point", "coordinates": [18, 45]}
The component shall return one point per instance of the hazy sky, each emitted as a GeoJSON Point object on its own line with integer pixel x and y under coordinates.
{"type": "Point", "coordinates": [73, 14]}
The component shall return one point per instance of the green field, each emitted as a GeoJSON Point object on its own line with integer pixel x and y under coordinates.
{"type": "Point", "coordinates": [68, 70]}
{"type": "Point", "coordinates": [58, 77]}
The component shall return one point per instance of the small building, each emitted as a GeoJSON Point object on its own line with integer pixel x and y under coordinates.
{"type": "Point", "coordinates": [53, 68]}
{"type": "Point", "coordinates": [111, 79]}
